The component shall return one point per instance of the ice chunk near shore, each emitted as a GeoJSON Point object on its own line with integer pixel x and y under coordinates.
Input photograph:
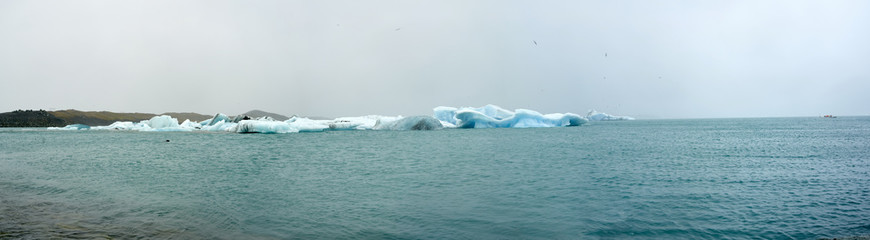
{"type": "Point", "coordinates": [408, 123]}
{"type": "Point", "coordinates": [491, 116]}
{"type": "Point", "coordinates": [600, 116]}
{"type": "Point", "coordinates": [71, 127]}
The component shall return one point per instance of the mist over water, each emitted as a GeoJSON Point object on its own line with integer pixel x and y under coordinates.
{"type": "Point", "coordinates": [801, 178]}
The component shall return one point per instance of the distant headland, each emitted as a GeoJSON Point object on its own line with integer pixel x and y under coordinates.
{"type": "Point", "coordinates": [42, 118]}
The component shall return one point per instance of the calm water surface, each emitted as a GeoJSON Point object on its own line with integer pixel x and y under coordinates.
{"type": "Point", "coordinates": [772, 178]}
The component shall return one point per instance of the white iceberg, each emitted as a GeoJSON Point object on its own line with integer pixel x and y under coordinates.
{"type": "Point", "coordinates": [120, 125]}
{"type": "Point", "coordinates": [71, 127]}
{"type": "Point", "coordinates": [358, 123]}
{"type": "Point", "coordinates": [307, 125]}
{"type": "Point", "coordinates": [157, 123]}
{"type": "Point", "coordinates": [162, 121]}
{"type": "Point", "coordinates": [187, 124]}
{"type": "Point", "coordinates": [263, 126]}
{"type": "Point", "coordinates": [600, 116]}
{"type": "Point", "coordinates": [220, 126]}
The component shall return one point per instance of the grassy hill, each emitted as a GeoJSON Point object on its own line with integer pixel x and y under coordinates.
{"type": "Point", "coordinates": [42, 118]}
{"type": "Point", "coordinates": [181, 116]}
{"type": "Point", "coordinates": [100, 118]}
{"type": "Point", "coordinates": [258, 113]}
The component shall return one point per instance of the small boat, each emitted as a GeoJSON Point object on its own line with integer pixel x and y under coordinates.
{"type": "Point", "coordinates": [829, 116]}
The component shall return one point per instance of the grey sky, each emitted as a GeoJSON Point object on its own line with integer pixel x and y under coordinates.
{"type": "Point", "coordinates": [348, 58]}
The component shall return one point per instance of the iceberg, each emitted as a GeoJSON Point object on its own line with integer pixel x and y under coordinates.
{"type": "Point", "coordinates": [220, 126]}
{"type": "Point", "coordinates": [120, 125]}
{"type": "Point", "coordinates": [307, 125]}
{"type": "Point", "coordinates": [239, 118]}
{"type": "Point", "coordinates": [408, 123]}
{"type": "Point", "coordinates": [445, 115]}
{"type": "Point", "coordinates": [162, 121]}
{"type": "Point", "coordinates": [263, 126]}
{"type": "Point", "coordinates": [491, 116]}
{"type": "Point", "coordinates": [187, 124]}
{"type": "Point", "coordinates": [600, 116]}
{"type": "Point", "coordinates": [358, 123]}
{"type": "Point", "coordinates": [157, 123]}
{"type": "Point", "coordinates": [217, 118]}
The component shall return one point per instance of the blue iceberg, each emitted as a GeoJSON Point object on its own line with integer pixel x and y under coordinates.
{"type": "Point", "coordinates": [491, 116]}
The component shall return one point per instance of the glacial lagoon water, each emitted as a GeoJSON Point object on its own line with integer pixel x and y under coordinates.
{"type": "Point", "coordinates": [765, 178]}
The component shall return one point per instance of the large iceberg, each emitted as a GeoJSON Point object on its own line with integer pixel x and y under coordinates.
{"type": "Point", "coordinates": [593, 115]}
{"type": "Point", "coordinates": [491, 116]}
{"type": "Point", "coordinates": [408, 123]}
{"type": "Point", "coordinates": [162, 121]}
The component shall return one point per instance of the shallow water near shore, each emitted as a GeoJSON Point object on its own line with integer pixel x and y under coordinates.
{"type": "Point", "coordinates": [771, 178]}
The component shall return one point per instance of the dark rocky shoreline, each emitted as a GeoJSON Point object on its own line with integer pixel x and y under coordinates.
{"type": "Point", "coordinates": [31, 118]}
{"type": "Point", "coordinates": [42, 118]}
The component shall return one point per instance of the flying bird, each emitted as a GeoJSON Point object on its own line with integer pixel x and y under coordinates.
{"type": "Point", "coordinates": [397, 29]}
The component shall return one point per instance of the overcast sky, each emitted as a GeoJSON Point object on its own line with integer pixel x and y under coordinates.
{"type": "Point", "coordinates": [671, 59]}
